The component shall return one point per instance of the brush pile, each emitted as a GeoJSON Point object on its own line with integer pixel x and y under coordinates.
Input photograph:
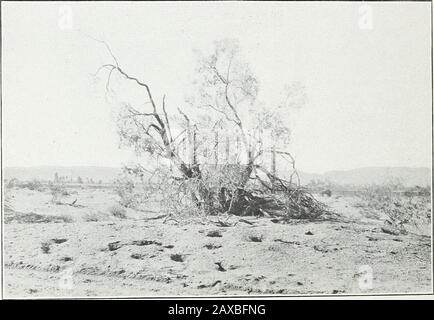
{"type": "Point", "coordinates": [293, 203]}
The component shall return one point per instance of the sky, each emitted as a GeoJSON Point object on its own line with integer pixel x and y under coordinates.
{"type": "Point", "coordinates": [366, 69]}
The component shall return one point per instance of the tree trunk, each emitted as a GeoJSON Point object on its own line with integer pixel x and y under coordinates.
{"type": "Point", "coordinates": [216, 148]}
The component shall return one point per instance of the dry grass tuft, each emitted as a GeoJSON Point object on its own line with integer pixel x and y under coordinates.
{"type": "Point", "coordinates": [118, 211]}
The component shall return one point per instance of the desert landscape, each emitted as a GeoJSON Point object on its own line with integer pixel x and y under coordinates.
{"type": "Point", "coordinates": [203, 149]}
{"type": "Point", "coordinates": [87, 244]}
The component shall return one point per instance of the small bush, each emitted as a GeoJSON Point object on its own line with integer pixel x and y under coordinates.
{"type": "Point", "coordinates": [400, 208]}
{"type": "Point", "coordinates": [45, 247]}
{"type": "Point", "coordinates": [94, 217]}
{"type": "Point", "coordinates": [131, 190]}
{"type": "Point", "coordinates": [125, 190]}
{"type": "Point", "coordinates": [58, 191]}
{"type": "Point", "coordinates": [34, 185]}
{"type": "Point", "coordinates": [327, 193]}
{"type": "Point", "coordinates": [11, 183]}
{"type": "Point", "coordinates": [65, 218]}
{"type": "Point", "coordinates": [118, 211]}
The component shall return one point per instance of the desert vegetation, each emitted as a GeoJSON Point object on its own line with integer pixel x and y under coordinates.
{"type": "Point", "coordinates": [402, 206]}
{"type": "Point", "coordinates": [225, 100]}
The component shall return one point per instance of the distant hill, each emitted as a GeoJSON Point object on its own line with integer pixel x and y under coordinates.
{"type": "Point", "coordinates": [105, 174]}
{"type": "Point", "coordinates": [373, 175]}
{"type": "Point", "coordinates": [357, 177]}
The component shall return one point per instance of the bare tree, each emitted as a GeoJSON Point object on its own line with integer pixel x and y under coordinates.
{"type": "Point", "coordinates": [227, 86]}
{"type": "Point", "coordinates": [227, 89]}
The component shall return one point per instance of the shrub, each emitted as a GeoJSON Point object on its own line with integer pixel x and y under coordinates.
{"type": "Point", "coordinates": [132, 191]}
{"type": "Point", "coordinates": [45, 247]}
{"type": "Point", "coordinates": [400, 208]}
{"type": "Point", "coordinates": [11, 183]}
{"type": "Point", "coordinates": [34, 185]}
{"type": "Point", "coordinates": [94, 217]}
{"type": "Point", "coordinates": [125, 191]}
{"type": "Point", "coordinates": [64, 218]}
{"type": "Point", "coordinates": [118, 211]}
{"type": "Point", "coordinates": [57, 191]}
{"type": "Point", "coordinates": [327, 193]}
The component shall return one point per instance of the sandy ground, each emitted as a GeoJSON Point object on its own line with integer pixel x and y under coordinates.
{"type": "Point", "coordinates": [144, 255]}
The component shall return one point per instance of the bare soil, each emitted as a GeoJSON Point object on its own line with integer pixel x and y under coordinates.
{"type": "Point", "coordinates": [90, 252]}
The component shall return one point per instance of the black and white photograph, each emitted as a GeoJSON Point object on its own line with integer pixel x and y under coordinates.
{"type": "Point", "coordinates": [219, 149]}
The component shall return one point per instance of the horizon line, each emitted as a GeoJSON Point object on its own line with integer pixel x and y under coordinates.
{"type": "Point", "coordinates": [299, 170]}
